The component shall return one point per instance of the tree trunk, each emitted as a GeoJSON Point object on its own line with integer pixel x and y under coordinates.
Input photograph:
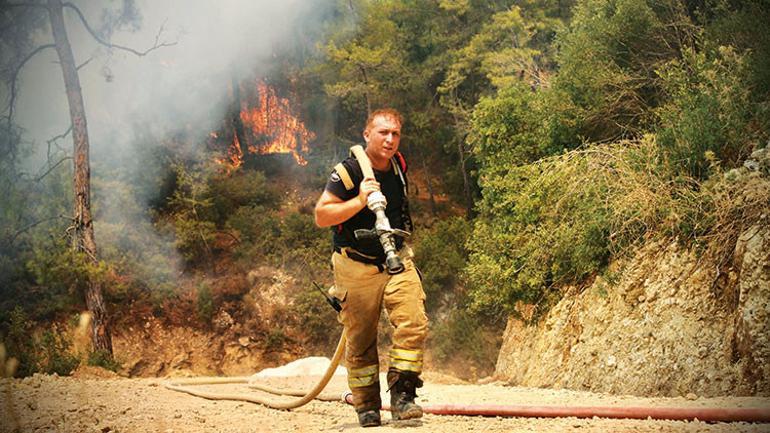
{"type": "Point", "coordinates": [235, 114]}
{"type": "Point", "coordinates": [83, 235]}
{"type": "Point", "coordinates": [466, 180]}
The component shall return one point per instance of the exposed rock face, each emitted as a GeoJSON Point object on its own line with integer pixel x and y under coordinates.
{"type": "Point", "coordinates": [665, 324]}
{"type": "Point", "coordinates": [752, 339]}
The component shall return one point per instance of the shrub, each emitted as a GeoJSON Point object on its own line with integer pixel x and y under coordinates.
{"type": "Point", "coordinates": [19, 344]}
{"type": "Point", "coordinates": [708, 110]}
{"type": "Point", "coordinates": [103, 359]}
{"type": "Point", "coordinates": [49, 352]}
{"type": "Point", "coordinates": [204, 303]}
{"type": "Point", "coordinates": [241, 188]}
{"type": "Point", "coordinates": [275, 340]}
{"type": "Point", "coordinates": [559, 221]}
{"type": "Point", "coordinates": [441, 255]}
{"type": "Point", "coordinates": [608, 60]}
{"type": "Point", "coordinates": [58, 275]}
{"type": "Point", "coordinates": [55, 354]}
{"type": "Point", "coordinates": [194, 238]}
{"type": "Point", "coordinates": [466, 338]}
{"type": "Point", "coordinates": [316, 318]}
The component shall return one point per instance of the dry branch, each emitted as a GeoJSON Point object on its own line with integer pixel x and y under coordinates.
{"type": "Point", "coordinates": [98, 39]}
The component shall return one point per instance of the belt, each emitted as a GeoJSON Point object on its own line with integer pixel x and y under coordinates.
{"type": "Point", "coordinates": [358, 257]}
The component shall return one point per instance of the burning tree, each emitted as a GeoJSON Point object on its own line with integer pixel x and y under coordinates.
{"type": "Point", "coordinates": [82, 229]}
{"type": "Point", "coordinates": [264, 123]}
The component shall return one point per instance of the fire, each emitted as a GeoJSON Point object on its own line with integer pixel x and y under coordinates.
{"type": "Point", "coordinates": [269, 126]}
{"type": "Point", "coordinates": [234, 157]}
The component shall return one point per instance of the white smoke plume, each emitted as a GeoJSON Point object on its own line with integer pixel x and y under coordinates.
{"type": "Point", "coordinates": [129, 99]}
{"type": "Point", "coordinates": [179, 86]}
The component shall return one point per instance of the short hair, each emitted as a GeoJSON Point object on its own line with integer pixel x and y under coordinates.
{"type": "Point", "coordinates": [384, 112]}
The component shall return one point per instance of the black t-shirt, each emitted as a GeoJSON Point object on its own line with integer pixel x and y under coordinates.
{"type": "Point", "coordinates": [396, 210]}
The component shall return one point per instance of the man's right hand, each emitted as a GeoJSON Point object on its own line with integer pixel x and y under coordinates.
{"type": "Point", "coordinates": [331, 210]}
{"type": "Point", "coordinates": [368, 186]}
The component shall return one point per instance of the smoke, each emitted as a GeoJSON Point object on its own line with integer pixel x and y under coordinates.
{"type": "Point", "coordinates": [133, 102]}
{"type": "Point", "coordinates": [182, 86]}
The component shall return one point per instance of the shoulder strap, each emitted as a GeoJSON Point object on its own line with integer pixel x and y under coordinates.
{"type": "Point", "coordinates": [401, 161]}
{"type": "Point", "coordinates": [399, 167]}
{"type": "Point", "coordinates": [344, 176]}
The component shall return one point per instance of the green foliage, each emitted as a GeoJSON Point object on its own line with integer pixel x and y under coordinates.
{"type": "Point", "coordinates": [558, 221]}
{"type": "Point", "coordinates": [608, 60]}
{"type": "Point", "coordinates": [464, 337]}
{"type": "Point", "coordinates": [540, 225]}
{"type": "Point", "coordinates": [241, 188]}
{"type": "Point", "coordinates": [194, 238]}
{"type": "Point", "coordinates": [742, 25]}
{"type": "Point", "coordinates": [103, 359]}
{"type": "Point", "coordinates": [19, 344]}
{"type": "Point", "coordinates": [518, 126]}
{"type": "Point", "coordinates": [441, 255]}
{"type": "Point", "coordinates": [47, 353]}
{"type": "Point", "coordinates": [708, 110]}
{"type": "Point", "coordinates": [142, 259]}
{"type": "Point", "coordinates": [491, 54]}
{"type": "Point", "coordinates": [54, 350]}
{"type": "Point", "coordinates": [275, 340]}
{"type": "Point", "coordinates": [626, 68]}
{"type": "Point", "coordinates": [316, 318]}
{"type": "Point", "coordinates": [290, 240]}
{"type": "Point", "coordinates": [204, 303]}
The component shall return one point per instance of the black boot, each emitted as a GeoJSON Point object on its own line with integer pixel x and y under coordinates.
{"type": "Point", "coordinates": [369, 418]}
{"type": "Point", "coordinates": [403, 390]}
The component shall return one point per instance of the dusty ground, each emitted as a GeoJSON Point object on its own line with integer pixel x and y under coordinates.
{"type": "Point", "coordinates": [95, 402]}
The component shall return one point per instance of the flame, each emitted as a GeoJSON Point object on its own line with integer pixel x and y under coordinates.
{"type": "Point", "coordinates": [274, 119]}
{"type": "Point", "coordinates": [234, 158]}
{"type": "Point", "coordinates": [270, 126]}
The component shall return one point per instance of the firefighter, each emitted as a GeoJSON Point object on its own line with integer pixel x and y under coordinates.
{"type": "Point", "coordinates": [362, 283]}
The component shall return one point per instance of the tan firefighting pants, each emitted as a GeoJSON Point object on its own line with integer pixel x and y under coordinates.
{"type": "Point", "coordinates": [364, 289]}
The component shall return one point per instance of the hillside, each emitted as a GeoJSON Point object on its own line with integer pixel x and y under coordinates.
{"type": "Point", "coordinates": [665, 322]}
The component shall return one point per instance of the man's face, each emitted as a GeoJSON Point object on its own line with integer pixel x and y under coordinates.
{"type": "Point", "coordinates": [382, 138]}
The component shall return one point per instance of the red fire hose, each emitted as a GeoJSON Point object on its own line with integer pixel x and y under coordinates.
{"type": "Point", "coordinates": [757, 414]}
{"type": "Point", "coordinates": [661, 413]}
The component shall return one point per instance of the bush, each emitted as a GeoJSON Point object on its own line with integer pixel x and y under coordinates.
{"type": "Point", "coordinates": [47, 353]}
{"type": "Point", "coordinates": [518, 126]}
{"type": "Point", "coordinates": [608, 60]}
{"type": "Point", "coordinates": [708, 110]}
{"type": "Point", "coordinates": [103, 359]}
{"type": "Point", "coordinates": [241, 188]}
{"type": "Point", "coordinates": [317, 319]}
{"type": "Point", "coordinates": [141, 257]}
{"type": "Point", "coordinates": [20, 345]}
{"type": "Point", "coordinates": [466, 338]}
{"type": "Point", "coordinates": [559, 221]}
{"type": "Point", "coordinates": [441, 255]}
{"type": "Point", "coordinates": [194, 238]}
{"type": "Point", "coordinates": [204, 303]}
{"type": "Point", "coordinates": [55, 354]}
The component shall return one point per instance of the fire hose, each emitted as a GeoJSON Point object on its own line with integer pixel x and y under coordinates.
{"type": "Point", "coordinates": [377, 203]}
{"type": "Point", "coordinates": [760, 415]}
{"type": "Point", "coordinates": [184, 385]}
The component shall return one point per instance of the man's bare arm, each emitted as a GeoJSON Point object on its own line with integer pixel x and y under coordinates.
{"type": "Point", "coordinates": [331, 210]}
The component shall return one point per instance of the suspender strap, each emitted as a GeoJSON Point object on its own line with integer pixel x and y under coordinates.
{"type": "Point", "coordinates": [344, 176]}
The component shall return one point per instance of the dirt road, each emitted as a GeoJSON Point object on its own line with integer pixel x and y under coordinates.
{"type": "Point", "coordinates": [112, 404]}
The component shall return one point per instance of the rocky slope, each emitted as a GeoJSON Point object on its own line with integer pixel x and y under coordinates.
{"type": "Point", "coordinates": [664, 323]}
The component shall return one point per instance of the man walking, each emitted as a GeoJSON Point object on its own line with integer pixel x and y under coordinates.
{"type": "Point", "coordinates": [361, 280]}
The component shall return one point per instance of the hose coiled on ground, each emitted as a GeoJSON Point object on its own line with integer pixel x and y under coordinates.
{"type": "Point", "coordinates": [184, 385]}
